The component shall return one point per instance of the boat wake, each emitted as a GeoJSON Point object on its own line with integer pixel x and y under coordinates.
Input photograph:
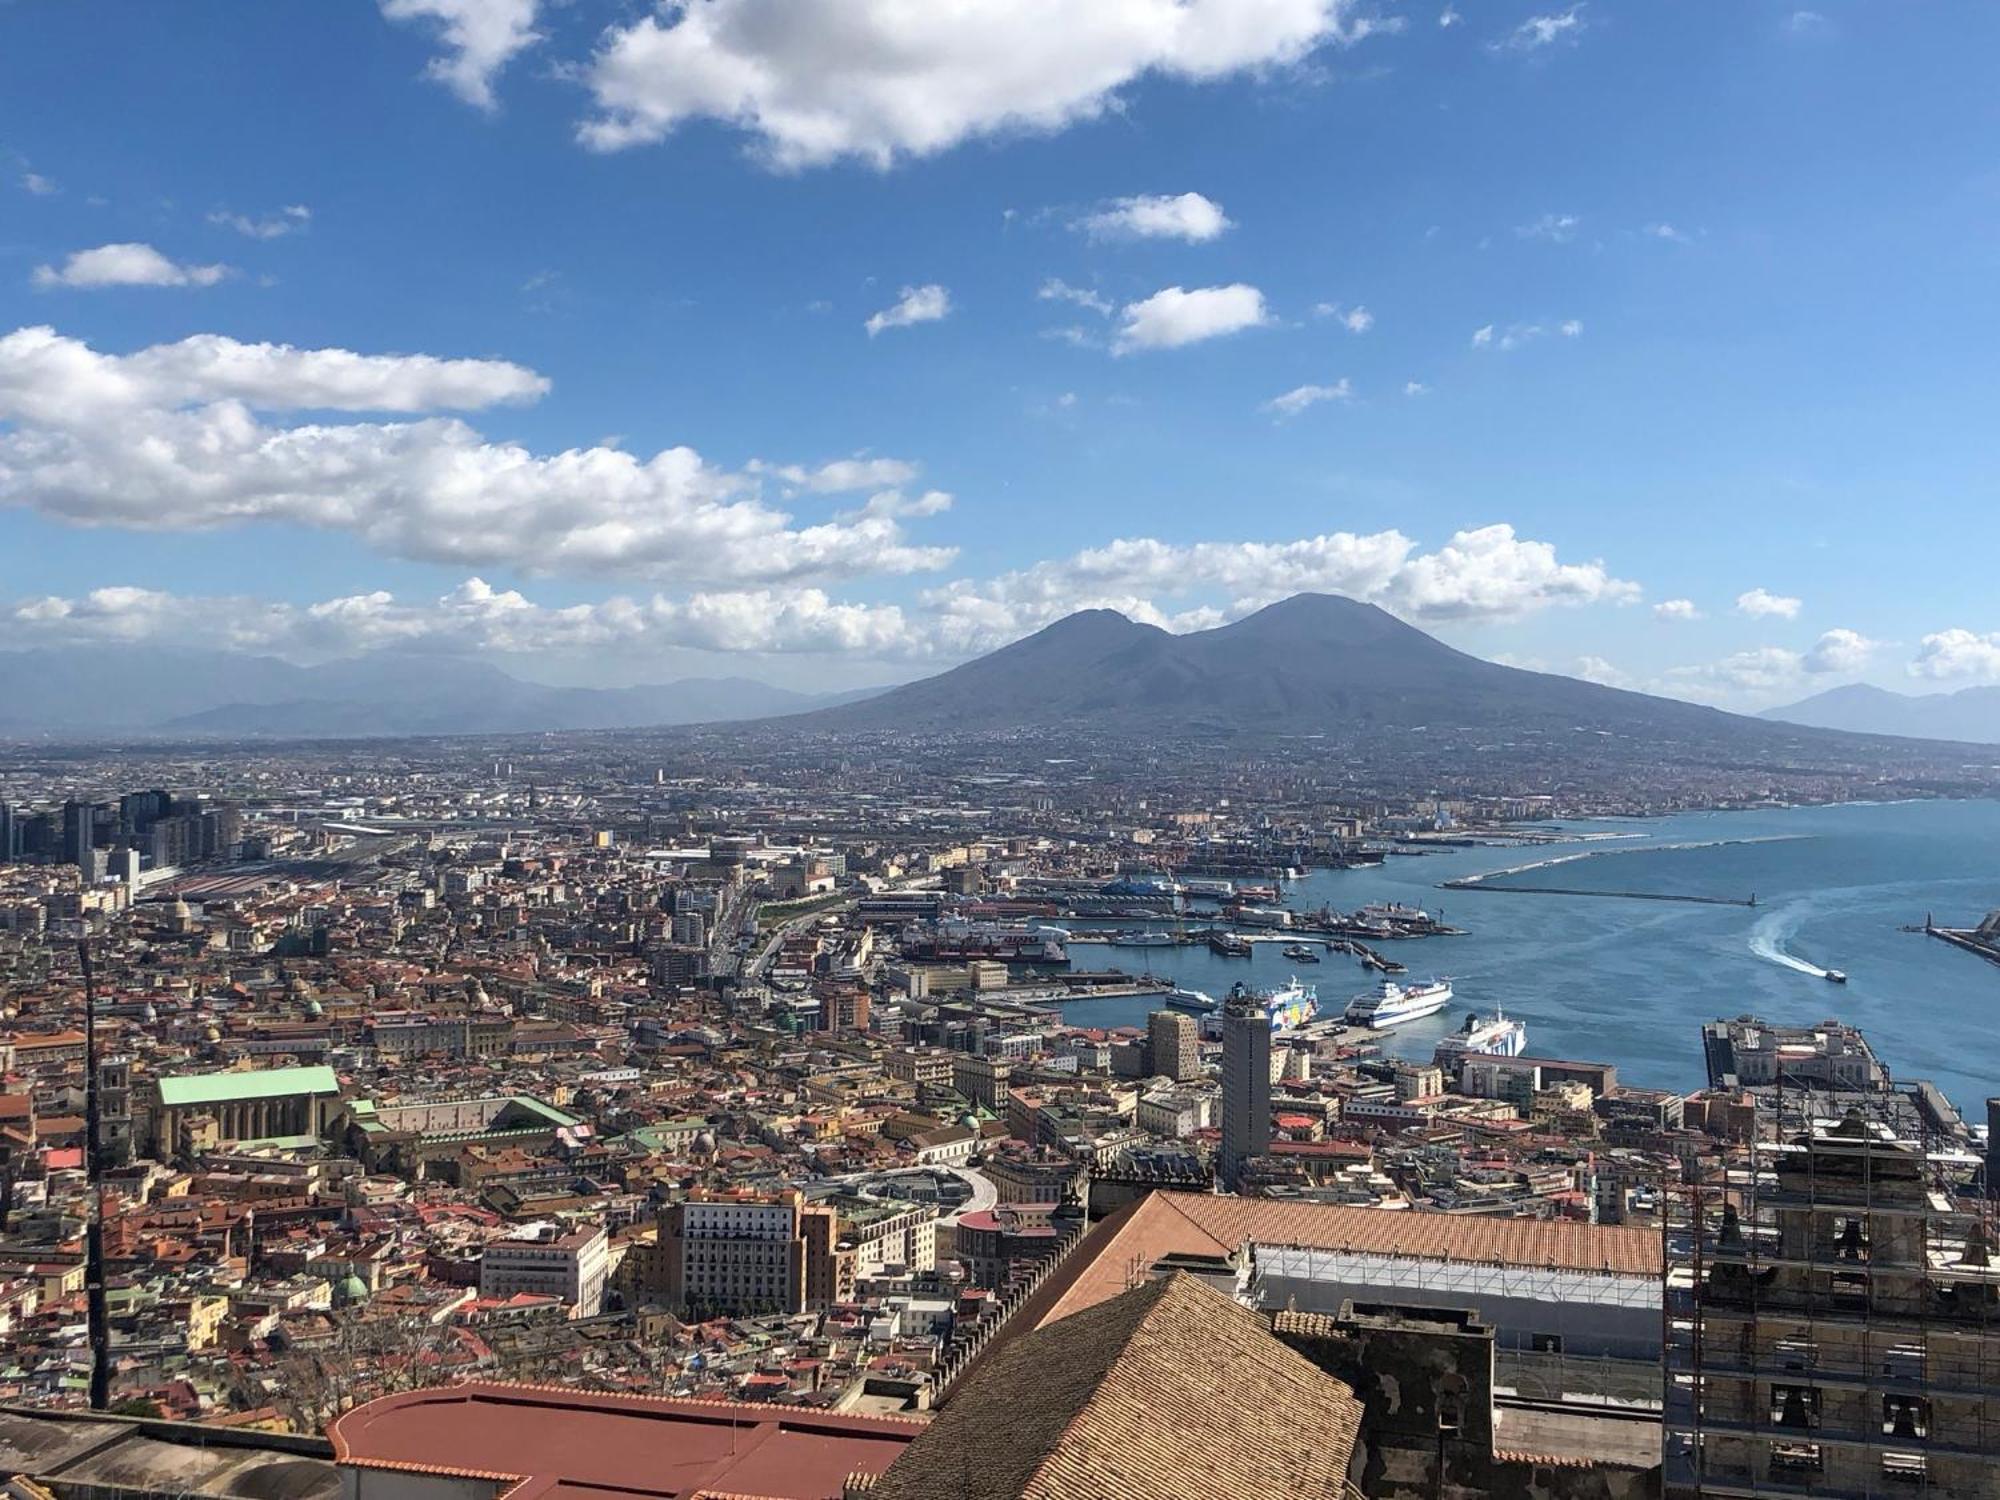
{"type": "Point", "coordinates": [1767, 937]}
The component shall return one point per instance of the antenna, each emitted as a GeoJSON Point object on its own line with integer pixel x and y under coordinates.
{"type": "Point", "coordinates": [93, 1244]}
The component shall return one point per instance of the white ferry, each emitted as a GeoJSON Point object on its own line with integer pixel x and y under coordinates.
{"type": "Point", "coordinates": [1390, 1004]}
{"type": "Point", "coordinates": [1495, 1035]}
{"type": "Point", "coordinates": [1194, 1000]}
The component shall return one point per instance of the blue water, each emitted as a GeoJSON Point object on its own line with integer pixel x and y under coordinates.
{"type": "Point", "coordinates": [1630, 982]}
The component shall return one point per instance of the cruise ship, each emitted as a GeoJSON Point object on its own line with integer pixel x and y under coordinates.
{"type": "Point", "coordinates": [1186, 999]}
{"type": "Point", "coordinates": [1492, 1035]}
{"type": "Point", "coordinates": [1390, 1004]}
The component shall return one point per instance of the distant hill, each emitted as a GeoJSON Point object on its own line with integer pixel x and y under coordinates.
{"type": "Point", "coordinates": [1970, 714]}
{"type": "Point", "coordinates": [1314, 662]}
{"type": "Point", "coordinates": [84, 691]}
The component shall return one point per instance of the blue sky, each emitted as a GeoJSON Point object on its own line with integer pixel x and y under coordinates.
{"type": "Point", "coordinates": [1559, 330]}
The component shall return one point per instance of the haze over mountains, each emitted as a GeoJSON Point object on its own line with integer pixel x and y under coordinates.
{"type": "Point", "coordinates": [1314, 663]}
{"type": "Point", "coordinates": [1969, 714]}
{"type": "Point", "coordinates": [117, 690]}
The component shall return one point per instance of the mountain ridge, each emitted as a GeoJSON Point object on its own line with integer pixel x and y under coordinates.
{"type": "Point", "coordinates": [1970, 714]}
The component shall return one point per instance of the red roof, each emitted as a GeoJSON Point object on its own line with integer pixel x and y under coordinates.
{"type": "Point", "coordinates": [547, 1441]}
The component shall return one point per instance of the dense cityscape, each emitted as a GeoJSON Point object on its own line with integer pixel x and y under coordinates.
{"type": "Point", "coordinates": [618, 1066]}
{"type": "Point", "coordinates": [999, 750]}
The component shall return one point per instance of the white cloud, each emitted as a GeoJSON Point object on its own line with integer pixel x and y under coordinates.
{"type": "Point", "coordinates": [1557, 228]}
{"type": "Point", "coordinates": [1449, 17]}
{"type": "Point", "coordinates": [1759, 673]}
{"type": "Point", "coordinates": [1518, 335]}
{"type": "Point", "coordinates": [1173, 317]}
{"type": "Point", "coordinates": [1597, 669]}
{"type": "Point", "coordinates": [1537, 32]}
{"type": "Point", "coordinates": [1958, 653]}
{"type": "Point", "coordinates": [1676, 609]}
{"type": "Point", "coordinates": [1763, 604]}
{"type": "Point", "coordinates": [480, 38]}
{"type": "Point", "coordinates": [918, 304]}
{"type": "Point", "coordinates": [1839, 651]}
{"type": "Point", "coordinates": [1055, 289]}
{"type": "Point", "coordinates": [1484, 574]}
{"type": "Point", "coordinates": [1664, 231]}
{"type": "Point", "coordinates": [170, 439]}
{"type": "Point", "coordinates": [290, 219]}
{"type": "Point", "coordinates": [814, 81]}
{"type": "Point", "coordinates": [1300, 397]}
{"type": "Point", "coordinates": [40, 186]}
{"type": "Point", "coordinates": [1353, 319]}
{"type": "Point", "coordinates": [125, 265]}
{"type": "Point", "coordinates": [1189, 217]}
{"type": "Point", "coordinates": [473, 617]}
{"type": "Point", "coordinates": [1415, 388]}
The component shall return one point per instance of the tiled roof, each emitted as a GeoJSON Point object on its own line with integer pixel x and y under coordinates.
{"type": "Point", "coordinates": [1204, 1224]}
{"type": "Point", "coordinates": [1106, 1406]}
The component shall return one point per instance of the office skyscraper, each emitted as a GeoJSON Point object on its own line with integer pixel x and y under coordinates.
{"type": "Point", "coordinates": [10, 836]}
{"type": "Point", "coordinates": [1246, 1084]}
{"type": "Point", "coordinates": [1173, 1046]}
{"type": "Point", "coordinates": [79, 835]}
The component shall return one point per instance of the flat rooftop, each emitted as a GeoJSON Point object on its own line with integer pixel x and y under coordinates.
{"type": "Point", "coordinates": [537, 1441]}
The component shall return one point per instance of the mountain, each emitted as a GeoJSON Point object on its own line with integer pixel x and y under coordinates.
{"type": "Point", "coordinates": [1969, 714]}
{"type": "Point", "coordinates": [166, 691]}
{"type": "Point", "coordinates": [1311, 663]}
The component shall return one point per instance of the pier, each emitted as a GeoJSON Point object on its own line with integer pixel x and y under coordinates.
{"type": "Point", "coordinates": [1983, 940]}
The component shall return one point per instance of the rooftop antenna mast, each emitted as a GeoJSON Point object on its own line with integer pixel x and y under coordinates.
{"type": "Point", "coordinates": [93, 1168]}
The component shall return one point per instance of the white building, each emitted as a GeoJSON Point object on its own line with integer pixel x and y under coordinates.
{"type": "Point", "coordinates": [544, 1262]}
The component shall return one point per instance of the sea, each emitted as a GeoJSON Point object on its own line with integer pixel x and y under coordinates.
{"type": "Point", "coordinates": [1610, 979]}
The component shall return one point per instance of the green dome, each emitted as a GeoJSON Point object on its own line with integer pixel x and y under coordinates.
{"type": "Point", "coordinates": [353, 1289]}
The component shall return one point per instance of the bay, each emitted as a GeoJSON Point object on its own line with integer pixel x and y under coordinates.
{"type": "Point", "coordinates": [1631, 982]}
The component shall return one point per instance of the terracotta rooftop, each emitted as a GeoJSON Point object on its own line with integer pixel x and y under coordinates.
{"type": "Point", "coordinates": [536, 1441]}
{"type": "Point", "coordinates": [1204, 1224]}
{"type": "Point", "coordinates": [1107, 1405]}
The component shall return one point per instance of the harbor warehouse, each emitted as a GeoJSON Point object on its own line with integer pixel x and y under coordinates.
{"type": "Point", "coordinates": [210, 1109]}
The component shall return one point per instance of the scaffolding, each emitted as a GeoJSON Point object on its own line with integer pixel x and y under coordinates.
{"type": "Point", "coordinates": [1831, 1317]}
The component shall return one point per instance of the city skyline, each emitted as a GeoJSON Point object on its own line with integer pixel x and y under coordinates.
{"type": "Point", "coordinates": [616, 347]}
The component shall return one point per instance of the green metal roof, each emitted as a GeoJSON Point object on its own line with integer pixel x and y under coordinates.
{"type": "Point", "coordinates": [264, 1083]}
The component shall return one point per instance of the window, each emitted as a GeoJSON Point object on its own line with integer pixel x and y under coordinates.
{"type": "Point", "coordinates": [1794, 1406]}
{"type": "Point", "coordinates": [1796, 1458]}
{"type": "Point", "coordinates": [1904, 1468]}
{"type": "Point", "coordinates": [1546, 1343]}
{"type": "Point", "coordinates": [1906, 1416]}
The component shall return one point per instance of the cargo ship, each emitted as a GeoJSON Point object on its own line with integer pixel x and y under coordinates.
{"type": "Point", "coordinates": [1391, 1004]}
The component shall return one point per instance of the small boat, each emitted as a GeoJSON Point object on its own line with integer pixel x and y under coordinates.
{"type": "Point", "coordinates": [1299, 953]}
{"type": "Point", "coordinates": [1835, 976]}
{"type": "Point", "coordinates": [1229, 945]}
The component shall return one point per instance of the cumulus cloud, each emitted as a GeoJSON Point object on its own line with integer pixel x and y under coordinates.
{"type": "Point", "coordinates": [1667, 232]}
{"type": "Point", "coordinates": [1676, 609]}
{"type": "Point", "coordinates": [1761, 671]}
{"type": "Point", "coordinates": [918, 304]}
{"type": "Point", "coordinates": [1538, 32]}
{"type": "Point", "coordinates": [1488, 573]}
{"type": "Point", "coordinates": [1597, 669]}
{"type": "Point", "coordinates": [480, 37]}
{"type": "Point", "coordinates": [815, 81]}
{"type": "Point", "coordinates": [177, 437]}
{"type": "Point", "coordinates": [291, 219]}
{"type": "Point", "coordinates": [125, 265]}
{"type": "Point", "coordinates": [1839, 651]}
{"type": "Point", "coordinates": [1958, 653]}
{"type": "Point", "coordinates": [1415, 388]}
{"type": "Point", "coordinates": [1173, 317]}
{"type": "Point", "coordinates": [474, 617]}
{"type": "Point", "coordinates": [1300, 397]}
{"type": "Point", "coordinates": [1762, 604]}
{"type": "Point", "coordinates": [40, 186]}
{"type": "Point", "coordinates": [1189, 217]}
